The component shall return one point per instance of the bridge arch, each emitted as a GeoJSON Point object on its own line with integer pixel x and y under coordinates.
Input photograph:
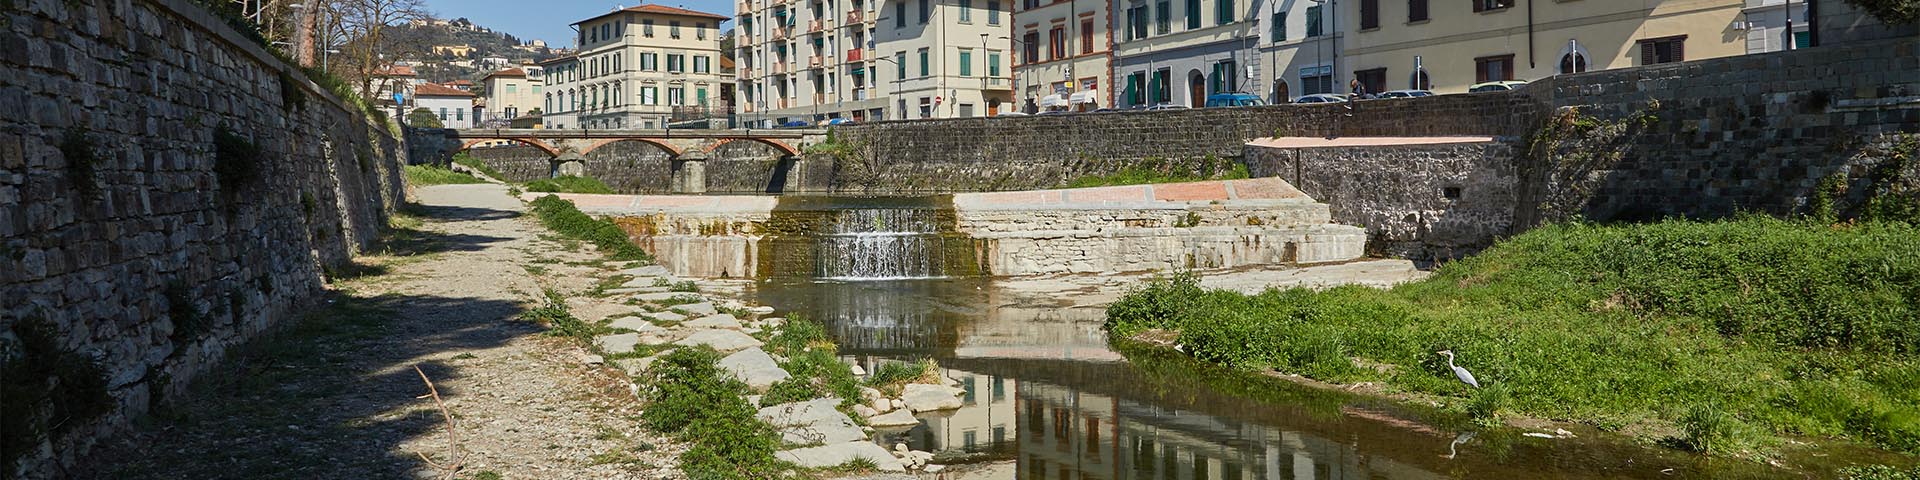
{"type": "Point", "coordinates": [671, 150]}
{"type": "Point", "coordinates": [467, 144]}
{"type": "Point", "coordinates": [779, 145]}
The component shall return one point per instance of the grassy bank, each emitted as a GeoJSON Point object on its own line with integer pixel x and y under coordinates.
{"type": "Point", "coordinates": [561, 216]}
{"type": "Point", "coordinates": [468, 160]}
{"type": "Point", "coordinates": [1717, 337]}
{"type": "Point", "coordinates": [1162, 171]}
{"type": "Point", "coordinates": [569, 184]}
{"type": "Point", "coordinates": [424, 175]}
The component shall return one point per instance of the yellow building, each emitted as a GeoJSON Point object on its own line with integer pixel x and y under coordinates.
{"type": "Point", "coordinates": [460, 51]}
{"type": "Point", "coordinates": [1447, 46]}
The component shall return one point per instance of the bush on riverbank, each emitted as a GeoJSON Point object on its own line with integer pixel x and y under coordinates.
{"type": "Point", "coordinates": [561, 216]}
{"type": "Point", "coordinates": [703, 405]}
{"type": "Point", "coordinates": [424, 175]}
{"type": "Point", "coordinates": [1788, 327]}
{"type": "Point", "coordinates": [569, 184]}
{"type": "Point", "coordinates": [1154, 170]}
{"type": "Point", "coordinates": [468, 160]}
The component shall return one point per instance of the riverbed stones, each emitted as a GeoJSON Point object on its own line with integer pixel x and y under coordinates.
{"type": "Point", "coordinates": [657, 297]}
{"type": "Point", "coordinates": [720, 320]}
{"type": "Point", "coordinates": [813, 422]}
{"type": "Point", "coordinates": [875, 400]}
{"type": "Point", "coordinates": [726, 341]}
{"type": "Point", "coordinates": [921, 397]}
{"type": "Point", "coordinates": [697, 309]}
{"type": "Point", "coordinates": [896, 418]}
{"type": "Point", "coordinates": [667, 316]}
{"type": "Point", "coordinates": [755, 368]}
{"type": "Point", "coordinates": [636, 324]}
{"type": "Point", "coordinates": [647, 271]}
{"type": "Point", "coordinates": [841, 453]}
{"type": "Point", "coordinates": [617, 343]}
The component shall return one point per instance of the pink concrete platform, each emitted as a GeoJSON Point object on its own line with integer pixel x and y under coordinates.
{"type": "Point", "coordinates": [1317, 142]}
{"type": "Point", "coordinates": [1269, 188]}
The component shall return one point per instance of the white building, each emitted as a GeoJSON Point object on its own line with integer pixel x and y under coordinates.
{"type": "Point", "coordinates": [453, 106]}
{"type": "Point", "coordinates": [1767, 21]}
{"type": "Point", "coordinates": [636, 68]}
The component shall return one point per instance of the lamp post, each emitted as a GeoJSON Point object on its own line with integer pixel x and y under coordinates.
{"type": "Point", "coordinates": [896, 84]}
{"type": "Point", "coordinates": [1020, 86]}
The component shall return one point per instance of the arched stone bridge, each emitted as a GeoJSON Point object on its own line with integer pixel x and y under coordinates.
{"type": "Point", "coordinates": [630, 161]}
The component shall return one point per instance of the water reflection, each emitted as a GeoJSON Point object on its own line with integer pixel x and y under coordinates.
{"type": "Point", "coordinates": [1046, 393]}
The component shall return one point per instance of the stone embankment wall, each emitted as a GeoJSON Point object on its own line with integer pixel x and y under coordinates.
{"type": "Point", "coordinates": [1415, 200]}
{"type": "Point", "coordinates": [169, 190]}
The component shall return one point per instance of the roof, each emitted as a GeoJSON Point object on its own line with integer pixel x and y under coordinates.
{"type": "Point", "coordinates": [438, 90]}
{"type": "Point", "coordinates": [395, 71]}
{"type": "Point", "coordinates": [661, 10]}
{"type": "Point", "coordinates": [461, 82]}
{"type": "Point", "coordinates": [726, 63]}
{"type": "Point", "coordinates": [561, 59]}
{"type": "Point", "coordinates": [511, 72]}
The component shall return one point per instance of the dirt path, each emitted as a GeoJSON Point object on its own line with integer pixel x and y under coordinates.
{"type": "Point", "coordinates": [336, 395]}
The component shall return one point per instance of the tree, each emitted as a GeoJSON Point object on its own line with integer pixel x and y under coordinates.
{"type": "Point", "coordinates": [366, 21]}
{"type": "Point", "coordinates": [422, 117]}
{"type": "Point", "coordinates": [1893, 12]}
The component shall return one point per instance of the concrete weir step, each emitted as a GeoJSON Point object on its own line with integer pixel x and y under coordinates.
{"type": "Point", "coordinates": [1192, 225]}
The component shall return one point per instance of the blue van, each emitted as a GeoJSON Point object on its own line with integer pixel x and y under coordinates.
{"type": "Point", "coordinates": [1234, 100]}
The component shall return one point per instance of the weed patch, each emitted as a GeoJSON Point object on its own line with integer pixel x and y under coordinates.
{"type": "Point", "coordinates": [424, 175]}
{"type": "Point", "coordinates": [569, 184]}
{"type": "Point", "coordinates": [702, 405]}
{"type": "Point", "coordinates": [562, 217]}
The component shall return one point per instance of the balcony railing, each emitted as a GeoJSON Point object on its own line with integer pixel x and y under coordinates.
{"type": "Point", "coordinates": [871, 18]}
{"type": "Point", "coordinates": [779, 34]}
{"type": "Point", "coordinates": [997, 83]}
{"type": "Point", "coordinates": [815, 61]}
{"type": "Point", "coordinates": [743, 7]}
{"type": "Point", "coordinates": [682, 113]}
{"type": "Point", "coordinates": [854, 55]}
{"type": "Point", "coordinates": [819, 98]}
{"type": "Point", "coordinates": [870, 55]}
{"type": "Point", "coordinates": [779, 68]}
{"type": "Point", "coordinates": [744, 72]}
{"type": "Point", "coordinates": [814, 26]}
{"type": "Point", "coordinates": [853, 17]}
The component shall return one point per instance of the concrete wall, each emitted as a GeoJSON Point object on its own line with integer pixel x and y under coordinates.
{"type": "Point", "coordinates": [116, 254]}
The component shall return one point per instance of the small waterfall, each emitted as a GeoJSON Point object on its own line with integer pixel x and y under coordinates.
{"type": "Point", "coordinates": [880, 244]}
{"type": "Point", "coordinates": [865, 239]}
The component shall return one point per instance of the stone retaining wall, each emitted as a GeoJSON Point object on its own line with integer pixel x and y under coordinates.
{"type": "Point", "coordinates": [1416, 201]}
{"type": "Point", "coordinates": [119, 237]}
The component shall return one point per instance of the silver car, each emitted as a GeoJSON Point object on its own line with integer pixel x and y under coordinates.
{"type": "Point", "coordinates": [1406, 94]}
{"type": "Point", "coordinates": [1321, 98]}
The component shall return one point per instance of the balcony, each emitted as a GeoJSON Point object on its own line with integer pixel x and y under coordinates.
{"type": "Point", "coordinates": [742, 8]}
{"type": "Point", "coordinates": [815, 26]}
{"type": "Point", "coordinates": [743, 72]}
{"type": "Point", "coordinates": [871, 18]}
{"type": "Point", "coordinates": [779, 68]}
{"type": "Point", "coordinates": [855, 55]}
{"type": "Point", "coordinates": [870, 54]}
{"type": "Point", "coordinates": [853, 17]}
{"type": "Point", "coordinates": [997, 83]}
{"type": "Point", "coordinates": [779, 34]}
{"type": "Point", "coordinates": [815, 61]}
{"type": "Point", "coordinates": [819, 98]}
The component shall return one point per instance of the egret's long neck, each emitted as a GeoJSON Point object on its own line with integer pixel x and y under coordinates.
{"type": "Point", "coordinates": [1450, 360]}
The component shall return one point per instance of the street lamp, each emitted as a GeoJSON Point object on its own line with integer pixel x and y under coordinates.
{"type": "Point", "coordinates": [896, 84]}
{"type": "Point", "coordinates": [1020, 86]}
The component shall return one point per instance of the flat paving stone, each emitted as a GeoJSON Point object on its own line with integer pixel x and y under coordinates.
{"type": "Point", "coordinates": [636, 324]}
{"type": "Point", "coordinates": [617, 343]}
{"type": "Point", "coordinates": [667, 316]}
{"type": "Point", "coordinates": [812, 422]}
{"type": "Point", "coordinates": [755, 368]}
{"type": "Point", "coordinates": [697, 309]}
{"type": "Point", "coordinates": [840, 453]}
{"type": "Point", "coordinates": [725, 341]}
{"type": "Point", "coordinates": [664, 296]}
{"type": "Point", "coordinates": [720, 320]}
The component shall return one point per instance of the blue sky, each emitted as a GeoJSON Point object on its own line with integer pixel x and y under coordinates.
{"type": "Point", "coordinates": [548, 19]}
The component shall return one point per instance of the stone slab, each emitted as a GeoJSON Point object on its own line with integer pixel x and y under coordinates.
{"type": "Point", "coordinates": [839, 454]}
{"type": "Point", "coordinates": [722, 340]}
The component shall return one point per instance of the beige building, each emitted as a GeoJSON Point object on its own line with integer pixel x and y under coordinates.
{"type": "Point", "coordinates": [1400, 44]}
{"type": "Point", "coordinates": [1063, 55]}
{"type": "Point", "coordinates": [810, 61]}
{"type": "Point", "coordinates": [1298, 49]}
{"type": "Point", "coordinates": [635, 67]}
{"type": "Point", "coordinates": [511, 93]}
{"type": "Point", "coordinates": [1180, 51]}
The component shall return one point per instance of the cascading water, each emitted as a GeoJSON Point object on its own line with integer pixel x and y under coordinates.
{"type": "Point", "coordinates": [866, 239]}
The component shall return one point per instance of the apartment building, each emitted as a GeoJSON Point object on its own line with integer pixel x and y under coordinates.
{"type": "Point", "coordinates": [635, 67]}
{"type": "Point", "coordinates": [510, 94]}
{"type": "Point", "coordinates": [1063, 53]}
{"type": "Point", "coordinates": [814, 60]}
{"type": "Point", "coordinates": [1448, 46]}
{"type": "Point", "coordinates": [1181, 51]}
{"type": "Point", "coordinates": [453, 106]}
{"type": "Point", "coordinates": [556, 104]}
{"type": "Point", "coordinates": [1299, 49]}
{"type": "Point", "coordinates": [1776, 25]}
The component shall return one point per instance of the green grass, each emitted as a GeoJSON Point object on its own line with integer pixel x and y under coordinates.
{"type": "Point", "coordinates": [568, 184]}
{"type": "Point", "coordinates": [1145, 174]}
{"type": "Point", "coordinates": [469, 161]}
{"type": "Point", "coordinates": [813, 361]}
{"type": "Point", "coordinates": [1879, 472]}
{"type": "Point", "coordinates": [562, 217]}
{"type": "Point", "coordinates": [1728, 333]}
{"type": "Point", "coordinates": [704, 406]}
{"type": "Point", "coordinates": [423, 175]}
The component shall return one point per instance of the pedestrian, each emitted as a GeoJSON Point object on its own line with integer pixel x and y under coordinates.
{"type": "Point", "coordinates": [1359, 90]}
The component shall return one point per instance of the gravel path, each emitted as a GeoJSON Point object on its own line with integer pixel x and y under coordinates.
{"type": "Point", "coordinates": [336, 395]}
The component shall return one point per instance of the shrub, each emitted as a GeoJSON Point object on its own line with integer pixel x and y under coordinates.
{"type": "Point", "coordinates": [424, 118]}
{"type": "Point", "coordinates": [1879, 472]}
{"type": "Point", "coordinates": [236, 161]}
{"type": "Point", "coordinates": [562, 217]}
{"type": "Point", "coordinates": [1704, 428]}
{"type": "Point", "coordinates": [703, 405]}
{"type": "Point", "coordinates": [569, 184]}
{"type": "Point", "coordinates": [424, 175]}
{"type": "Point", "coordinates": [684, 286]}
{"type": "Point", "coordinates": [559, 320]}
{"type": "Point", "coordinates": [48, 391]}
{"type": "Point", "coordinates": [468, 160]}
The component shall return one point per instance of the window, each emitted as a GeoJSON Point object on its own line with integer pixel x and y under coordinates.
{"type": "Point", "coordinates": [1086, 36]}
{"type": "Point", "coordinates": [1162, 85]}
{"type": "Point", "coordinates": [1163, 18]}
{"type": "Point", "coordinates": [1416, 11]}
{"type": "Point", "coordinates": [1485, 5]}
{"type": "Point", "coordinates": [616, 62]}
{"type": "Point", "coordinates": [676, 63]}
{"type": "Point", "coordinates": [646, 28]}
{"type": "Point", "coordinates": [900, 60]}
{"type": "Point", "coordinates": [993, 12]}
{"type": "Point", "coordinates": [443, 113]}
{"type": "Point", "coordinates": [1193, 14]}
{"type": "Point", "coordinates": [1573, 62]}
{"type": "Point", "coordinates": [615, 99]}
{"type": "Point", "coordinates": [966, 110]}
{"type": "Point", "coordinates": [993, 64]}
{"type": "Point", "coordinates": [700, 95]}
{"type": "Point", "coordinates": [1373, 80]}
{"type": "Point", "coordinates": [1056, 43]}
{"type": "Point", "coordinates": [966, 62]}
{"type": "Point", "coordinates": [926, 107]}
{"type": "Point", "coordinates": [649, 61]}
{"type": "Point", "coordinates": [1663, 50]}
{"type": "Point", "coordinates": [1225, 78]}
{"type": "Point", "coordinates": [511, 88]}
{"type": "Point", "coordinates": [1137, 18]}
{"type": "Point", "coordinates": [966, 11]}
{"type": "Point", "coordinates": [900, 14]}
{"type": "Point", "coordinates": [673, 29]}
{"type": "Point", "coordinates": [700, 31]}
{"type": "Point", "coordinates": [1031, 42]}
{"type": "Point", "coordinates": [460, 114]}
{"type": "Point", "coordinates": [1369, 14]}
{"type": "Point", "coordinates": [702, 64]}
{"type": "Point", "coordinates": [926, 12]}
{"type": "Point", "coordinates": [1313, 22]}
{"type": "Point", "coordinates": [1223, 12]}
{"type": "Point", "coordinates": [1493, 69]}
{"type": "Point", "coordinates": [1279, 26]}
{"type": "Point", "coordinates": [925, 69]}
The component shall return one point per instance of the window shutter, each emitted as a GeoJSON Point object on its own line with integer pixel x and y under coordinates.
{"type": "Point", "coordinates": [1506, 66]}
{"type": "Point", "coordinates": [1369, 14]}
{"type": "Point", "coordinates": [1646, 53]}
{"type": "Point", "coordinates": [1679, 49]}
{"type": "Point", "coordinates": [1479, 5]}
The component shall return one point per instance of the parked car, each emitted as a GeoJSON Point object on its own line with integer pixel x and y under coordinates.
{"type": "Point", "coordinates": [794, 124]}
{"type": "Point", "coordinates": [1234, 100]}
{"type": "Point", "coordinates": [1168, 106]}
{"type": "Point", "coordinates": [1321, 98]}
{"type": "Point", "coordinates": [1011, 113]}
{"type": "Point", "coordinates": [1499, 86]}
{"type": "Point", "coordinates": [1054, 112]}
{"type": "Point", "coordinates": [836, 121]}
{"type": "Point", "coordinates": [1406, 94]}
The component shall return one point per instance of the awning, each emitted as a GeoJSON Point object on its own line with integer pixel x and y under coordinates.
{"type": "Point", "coordinates": [1053, 101]}
{"type": "Point", "coordinates": [1085, 96]}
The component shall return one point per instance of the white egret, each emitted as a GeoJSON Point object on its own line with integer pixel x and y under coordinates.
{"type": "Point", "coordinates": [1460, 372]}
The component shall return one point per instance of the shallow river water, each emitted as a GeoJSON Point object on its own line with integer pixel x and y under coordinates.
{"type": "Point", "coordinates": [1048, 398]}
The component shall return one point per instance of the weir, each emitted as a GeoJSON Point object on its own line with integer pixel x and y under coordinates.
{"type": "Point", "coordinates": [865, 238]}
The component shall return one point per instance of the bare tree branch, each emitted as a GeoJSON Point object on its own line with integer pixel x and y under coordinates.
{"type": "Point", "coordinates": [448, 470]}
